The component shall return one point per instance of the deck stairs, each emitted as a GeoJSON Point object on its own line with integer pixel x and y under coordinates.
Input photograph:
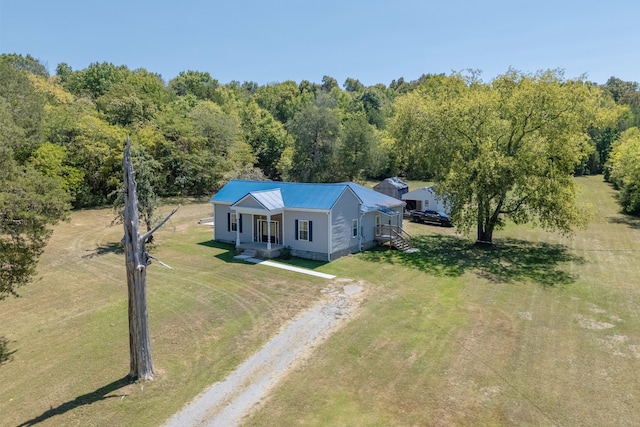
{"type": "Point", "coordinates": [400, 244]}
{"type": "Point", "coordinates": [394, 237]}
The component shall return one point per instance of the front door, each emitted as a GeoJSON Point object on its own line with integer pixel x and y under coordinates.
{"type": "Point", "coordinates": [264, 232]}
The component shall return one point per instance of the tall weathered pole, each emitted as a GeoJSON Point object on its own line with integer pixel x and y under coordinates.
{"type": "Point", "coordinates": [137, 260]}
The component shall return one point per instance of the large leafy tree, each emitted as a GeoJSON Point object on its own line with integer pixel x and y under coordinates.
{"type": "Point", "coordinates": [357, 139]}
{"type": "Point", "coordinates": [502, 150]}
{"type": "Point", "coordinates": [626, 93]}
{"type": "Point", "coordinates": [315, 130]}
{"type": "Point", "coordinates": [283, 100]}
{"type": "Point", "coordinates": [94, 81]}
{"type": "Point", "coordinates": [30, 202]}
{"type": "Point", "coordinates": [266, 136]}
{"type": "Point", "coordinates": [24, 109]}
{"type": "Point", "coordinates": [25, 63]}
{"type": "Point", "coordinates": [196, 83]}
{"type": "Point", "coordinates": [624, 169]}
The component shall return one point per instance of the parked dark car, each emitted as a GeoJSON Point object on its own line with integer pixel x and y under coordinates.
{"type": "Point", "coordinates": [431, 217]}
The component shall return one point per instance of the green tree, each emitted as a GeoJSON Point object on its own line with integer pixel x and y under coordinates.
{"type": "Point", "coordinates": [96, 151]}
{"type": "Point", "coordinates": [266, 136]}
{"type": "Point", "coordinates": [502, 150]}
{"type": "Point", "coordinates": [94, 81]}
{"type": "Point", "coordinates": [315, 130]}
{"type": "Point", "coordinates": [26, 63]}
{"type": "Point", "coordinates": [133, 100]}
{"type": "Point", "coordinates": [283, 100]}
{"type": "Point", "coordinates": [23, 108]}
{"type": "Point", "coordinates": [328, 84]}
{"type": "Point", "coordinates": [376, 103]}
{"type": "Point", "coordinates": [30, 204]}
{"type": "Point", "coordinates": [624, 169]}
{"type": "Point", "coordinates": [626, 93]}
{"type": "Point", "coordinates": [51, 160]}
{"type": "Point", "coordinates": [196, 83]}
{"type": "Point", "coordinates": [357, 137]}
{"type": "Point", "coordinates": [353, 85]}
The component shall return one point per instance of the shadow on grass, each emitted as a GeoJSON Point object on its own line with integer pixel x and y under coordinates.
{"type": "Point", "coordinates": [110, 248]}
{"type": "Point", "coordinates": [510, 260]}
{"type": "Point", "coordinates": [5, 354]}
{"type": "Point", "coordinates": [85, 399]}
{"type": "Point", "coordinates": [625, 219]}
{"type": "Point", "coordinates": [230, 252]}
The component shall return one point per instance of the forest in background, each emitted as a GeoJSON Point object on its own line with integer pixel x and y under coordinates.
{"type": "Point", "coordinates": [192, 134]}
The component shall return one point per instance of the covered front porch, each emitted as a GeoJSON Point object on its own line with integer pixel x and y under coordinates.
{"type": "Point", "coordinates": [265, 209]}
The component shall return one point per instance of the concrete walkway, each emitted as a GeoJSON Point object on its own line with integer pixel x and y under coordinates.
{"type": "Point", "coordinates": [285, 267]}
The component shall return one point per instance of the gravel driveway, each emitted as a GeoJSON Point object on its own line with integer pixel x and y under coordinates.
{"type": "Point", "coordinates": [226, 403]}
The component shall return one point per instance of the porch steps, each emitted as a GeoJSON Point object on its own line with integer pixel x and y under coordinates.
{"type": "Point", "coordinates": [249, 253]}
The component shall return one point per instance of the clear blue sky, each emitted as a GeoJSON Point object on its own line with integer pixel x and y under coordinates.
{"type": "Point", "coordinates": [374, 41]}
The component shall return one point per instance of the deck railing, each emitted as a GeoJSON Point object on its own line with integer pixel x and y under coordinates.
{"type": "Point", "coordinates": [387, 233]}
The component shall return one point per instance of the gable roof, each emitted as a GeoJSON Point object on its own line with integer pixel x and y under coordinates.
{"type": "Point", "coordinates": [296, 195]}
{"type": "Point", "coordinates": [269, 199]}
{"type": "Point", "coordinates": [419, 191]}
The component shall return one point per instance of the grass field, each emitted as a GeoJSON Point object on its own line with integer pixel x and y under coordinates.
{"type": "Point", "coordinates": [543, 330]}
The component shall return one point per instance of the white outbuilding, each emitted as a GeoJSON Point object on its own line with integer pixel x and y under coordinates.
{"type": "Point", "coordinates": [424, 198]}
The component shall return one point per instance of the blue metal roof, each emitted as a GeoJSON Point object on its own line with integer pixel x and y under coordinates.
{"type": "Point", "coordinates": [269, 199]}
{"type": "Point", "coordinates": [305, 195]}
{"type": "Point", "coordinates": [373, 200]}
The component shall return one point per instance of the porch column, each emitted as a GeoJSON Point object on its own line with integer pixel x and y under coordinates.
{"type": "Point", "coordinates": [237, 229]}
{"type": "Point", "coordinates": [268, 231]}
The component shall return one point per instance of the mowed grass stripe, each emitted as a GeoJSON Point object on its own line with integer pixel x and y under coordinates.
{"type": "Point", "coordinates": [515, 339]}
{"type": "Point", "coordinates": [544, 330]}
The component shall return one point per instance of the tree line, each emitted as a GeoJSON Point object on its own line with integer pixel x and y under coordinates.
{"type": "Point", "coordinates": [193, 133]}
{"type": "Point", "coordinates": [62, 138]}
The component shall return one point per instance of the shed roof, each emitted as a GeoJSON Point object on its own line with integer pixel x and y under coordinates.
{"type": "Point", "coordinates": [393, 182]}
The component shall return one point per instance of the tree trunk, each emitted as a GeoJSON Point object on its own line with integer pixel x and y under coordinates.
{"type": "Point", "coordinates": [488, 220]}
{"type": "Point", "coordinates": [137, 260]}
{"type": "Point", "coordinates": [485, 234]}
{"type": "Point", "coordinates": [486, 224]}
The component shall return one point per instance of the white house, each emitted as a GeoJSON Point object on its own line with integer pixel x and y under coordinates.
{"type": "Point", "coordinates": [424, 198]}
{"type": "Point", "coordinates": [316, 221]}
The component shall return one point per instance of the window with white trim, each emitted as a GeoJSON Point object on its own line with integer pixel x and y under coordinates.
{"type": "Point", "coordinates": [303, 230]}
{"type": "Point", "coordinates": [233, 222]}
{"type": "Point", "coordinates": [354, 228]}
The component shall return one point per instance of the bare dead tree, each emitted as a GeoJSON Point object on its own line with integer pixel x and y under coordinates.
{"type": "Point", "coordinates": [137, 259]}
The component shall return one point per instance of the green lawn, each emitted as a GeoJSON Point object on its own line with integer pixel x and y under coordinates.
{"type": "Point", "coordinates": [542, 330]}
